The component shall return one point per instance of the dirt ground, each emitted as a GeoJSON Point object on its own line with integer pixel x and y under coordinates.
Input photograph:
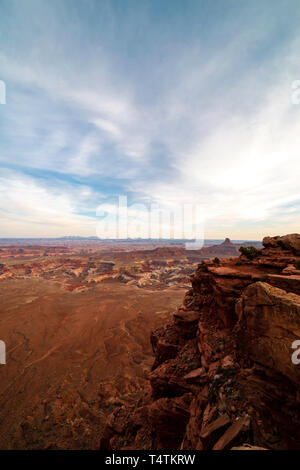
{"type": "Point", "coordinates": [72, 356]}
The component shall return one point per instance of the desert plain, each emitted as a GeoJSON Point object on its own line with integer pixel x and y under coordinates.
{"type": "Point", "coordinates": [76, 319]}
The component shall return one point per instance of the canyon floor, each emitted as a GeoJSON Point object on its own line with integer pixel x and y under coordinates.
{"type": "Point", "coordinates": [71, 357]}
{"type": "Point", "coordinates": [76, 320]}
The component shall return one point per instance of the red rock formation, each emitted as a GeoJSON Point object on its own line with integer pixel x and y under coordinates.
{"type": "Point", "coordinates": [223, 375]}
{"type": "Point", "coordinates": [224, 250]}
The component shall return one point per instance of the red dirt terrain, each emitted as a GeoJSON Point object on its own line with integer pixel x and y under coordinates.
{"type": "Point", "coordinates": [223, 375]}
{"type": "Point", "coordinates": [76, 320]}
{"type": "Point", "coordinates": [77, 344]}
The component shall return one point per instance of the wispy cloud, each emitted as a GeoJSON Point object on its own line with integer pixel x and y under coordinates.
{"type": "Point", "coordinates": [139, 99]}
{"type": "Point", "coordinates": [44, 209]}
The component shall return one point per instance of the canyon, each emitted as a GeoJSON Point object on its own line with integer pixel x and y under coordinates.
{"type": "Point", "coordinates": [76, 318]}
{"type": "Point", "coordinates": [150, 346]}
{"type": "Point", "coordinates": [223, 377]}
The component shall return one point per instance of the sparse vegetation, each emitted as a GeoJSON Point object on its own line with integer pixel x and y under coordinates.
{"type": "Point", "coordinates": [249, 251]}
{"type": "Point", "coordinates": [297, 264]}
{"type": "Point", "coordinates": [216, 260]}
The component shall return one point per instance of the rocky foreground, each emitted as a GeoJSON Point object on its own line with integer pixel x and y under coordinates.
{"type": "Point", "coordinates": [223, 375]}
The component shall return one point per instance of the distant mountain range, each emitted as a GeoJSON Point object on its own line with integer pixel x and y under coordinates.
{"type": "Point", "coordinates": [45, 240]}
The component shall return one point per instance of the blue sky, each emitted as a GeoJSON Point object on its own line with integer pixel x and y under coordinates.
{"type": "Point", "coordinates": [169, 102]}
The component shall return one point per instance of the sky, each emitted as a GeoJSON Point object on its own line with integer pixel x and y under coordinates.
{"type": "Point", "coordinates": [170, 104]}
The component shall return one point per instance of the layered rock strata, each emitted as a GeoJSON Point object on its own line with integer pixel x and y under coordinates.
{"type": "Point", "coordinates": [223, 375]}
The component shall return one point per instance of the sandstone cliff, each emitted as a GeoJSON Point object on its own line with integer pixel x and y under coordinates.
{"type": "Point", "coordinates": [223, 374]}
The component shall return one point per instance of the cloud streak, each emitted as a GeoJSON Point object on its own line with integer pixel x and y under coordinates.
{"type": "Point", "coordinates": [143, 101]}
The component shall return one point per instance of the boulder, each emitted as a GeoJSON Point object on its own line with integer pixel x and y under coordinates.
{"type": "Point", "coordinates": [239, 428]}
{"type": "Point", "coordinates": [211, 433]}
{"type": "Point", "coordinates": [289, 242]}
{"type": "Point", "coordinates": [182, 317]}
{"type": "Point", "coordinates": [288, 283]}
{"type": "Point", "coordinates": [168, 418]}
{"type": "Point", "coordinates": [290, 269]}
{"type": "Point", "coordinates": [195, 375]}
{"type": "Point", "coordinates": [269, 322]}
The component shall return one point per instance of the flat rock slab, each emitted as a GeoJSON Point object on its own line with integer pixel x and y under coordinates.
{"type": "Point", "coordinates": [195, 375]}
{"type": "Point", "coordinates": [248, 447]}
{"type": "Point", "coordinates": [288, 283]}
{"type": "Point", "coordinates": [229, 272]}
{"type": "Point", "coordinates": [212, 431]}
{"type": "Point", "coordinates": [232, 433]}
{"type": "Point", "coordinates": [189, 316]}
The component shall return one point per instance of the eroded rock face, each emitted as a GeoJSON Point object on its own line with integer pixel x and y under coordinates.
{"type": "Point", "coordinates": [269, 322]}
{"type": "Point", "coordinates": [223, 371]}
{"type": "Point", "coordinates": [287, 242]}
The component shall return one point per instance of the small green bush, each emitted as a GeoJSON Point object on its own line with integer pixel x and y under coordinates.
{"type": "Point", "coordinates": [216, 260]}
{"type": "Point", "coordinates": [249, 251]}
{"type": "Point", "coordinates": [297, 264]}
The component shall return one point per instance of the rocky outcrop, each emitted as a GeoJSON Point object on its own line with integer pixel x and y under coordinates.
{"type": "Point", "coordinates": [269, 322]}
{"type": "Point", "coordinates": [224, 250]}
{"type": "Point", "coordinates": [287, 242]}
{"type": "Point", "coordinates": [223, 376]}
